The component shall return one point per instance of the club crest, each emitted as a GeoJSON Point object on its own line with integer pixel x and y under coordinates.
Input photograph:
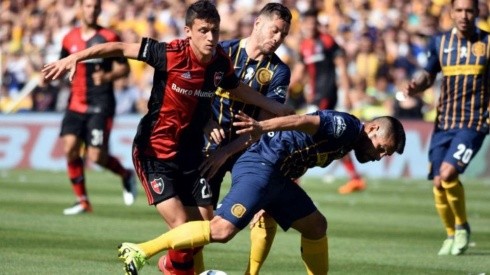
{"type": "Point", "coordinates": [157, 185]}
{"type": "Point", "coordinates": [218, 76]}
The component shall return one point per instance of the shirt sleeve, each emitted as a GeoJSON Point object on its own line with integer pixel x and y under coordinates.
{"type": "Point", "coordinates": [279, 85]}
{"type": "Point", "coordinates": [433, 65]}
{"type": "Point", "coordinates": [230, 80]}
{"type": "Point", "coordinates": [153, 53]}
{"type": "Point", "coordinates": [338, 127]}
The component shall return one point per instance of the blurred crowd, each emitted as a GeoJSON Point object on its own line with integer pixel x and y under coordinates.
{"type": "Point", "coordinates": [384, 41]}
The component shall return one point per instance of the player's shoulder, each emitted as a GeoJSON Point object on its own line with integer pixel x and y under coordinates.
{"type": "Point", "coordinates": [72, 33]}
{"type": "Point", "coordinates": [229, 44]}
{"type": "Point", "coordinates": [108, 34]}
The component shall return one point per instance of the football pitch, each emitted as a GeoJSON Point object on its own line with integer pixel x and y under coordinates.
{"type": "Point", "coordinates": [390, 228]}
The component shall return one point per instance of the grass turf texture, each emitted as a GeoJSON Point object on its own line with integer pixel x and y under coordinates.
{"type": "Point", "coordinates": [391, 228]}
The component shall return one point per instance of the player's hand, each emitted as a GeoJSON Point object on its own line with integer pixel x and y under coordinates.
{"type": "Point", "coordinates": [214, 132]}
{"type": "Point", "coordinates": [211, 164]}
{"type": "Point", "coordinates": [256, 218]}
{"type": "Point", "coordinates": [59, 68]}
{"type": "Point", "coordinates": [248, 125]}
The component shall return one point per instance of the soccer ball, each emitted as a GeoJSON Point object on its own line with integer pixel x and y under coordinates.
{"type": "Point", "coordinates": [213, 272]}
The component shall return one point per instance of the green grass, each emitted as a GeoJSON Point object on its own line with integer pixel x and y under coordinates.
{"type": "Point", "coordinates": [391, 228]}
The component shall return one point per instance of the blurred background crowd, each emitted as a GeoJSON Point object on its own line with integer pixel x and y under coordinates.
{"type": "Point", "coordinates": [384, 41]}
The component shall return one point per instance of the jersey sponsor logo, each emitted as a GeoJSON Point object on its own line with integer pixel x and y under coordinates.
{"type": "Point", "coordinates": [157, 185]}
{"type": "Point", "coordinates": [198, 92]}
{"type": "Point", "coordinates": [478, 49]}
{"type": "Point", "coordinates": [463, 70]}
{"type": "Point", "coordinates": [264, 76]}
{"type": "Point", "coordinates": [218, 76]}
{"type": "Point", "coordinates": [339, 125]}
{"type": "Point", "coordinates": [238, 210]}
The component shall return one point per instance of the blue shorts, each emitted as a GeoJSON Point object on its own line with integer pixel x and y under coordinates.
{"type": "Point", "coordinates": [256, 185]}
{"type": "Point", "coordinates": [456, 146]}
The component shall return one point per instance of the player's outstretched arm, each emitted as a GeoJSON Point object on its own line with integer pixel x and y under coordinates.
{"type": "Point", "coordinates": [59, 68]}
{"type": "Point", "coordinates": [304, 123]}
{"type": "Point", "coordinates": [250, 96]}
{"type": "Point", "coordinates": [419, 84]}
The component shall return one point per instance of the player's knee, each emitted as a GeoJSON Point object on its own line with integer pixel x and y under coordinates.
{"type": "Point", "coordinates": [448, 174]}
{"type": "Point", "coordinates": [314, 227]}
{"type": "Point", "coordinates": [222, 230]}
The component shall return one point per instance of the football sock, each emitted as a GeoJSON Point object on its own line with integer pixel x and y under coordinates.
{"type": "Point", "coordinates": [77, 178]}
{"type": "Point", "coordinates": [198, 260]}
{"type": "Point", "coordinates": [456, 200]}
{"type": "Point", "coordinates": [114, 165]}
{"type": "Point", "coordinates": [444, 211]}
{"type": "Point", "coordinates": [315, 255]}
{"type": "Point", "coordinates": [349, 166]}
{"type": "Point", "coordinates": [261, 238]}
{"type": "Point", "coordinates": [188, 235]}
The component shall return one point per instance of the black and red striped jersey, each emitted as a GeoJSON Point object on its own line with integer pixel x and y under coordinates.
{"type": "Point", "coordinates": [180, 100]}
{"type": "Point", "coordinates": [465, 66]}
{"type": "Point", "coordinates": [318, 55]}
{"type": "Point", "coordinates": [86, 97]}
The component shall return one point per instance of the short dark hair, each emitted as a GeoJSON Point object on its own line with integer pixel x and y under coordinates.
{"type": "Point", "coordinates": [277, 9]}
{"type": "Point", "coordinates": [310, 13]}
{"type": "Point", "coordinates": [395, 127]}
{"type": "Point", "coordinates": [202, 9]}
{"type": "Point", "coordinates": [475, 4]}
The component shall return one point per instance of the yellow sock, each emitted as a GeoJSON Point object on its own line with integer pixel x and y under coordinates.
{"type": "Point", "coordinates": [188, 235]}
{"type": "Point", "coordinates": [261, 238]}
{"type": "Point", "coordinates": [456, 199]}
{"type": "Point", "coordinates": [444, 210]}
{"type": "Point", "coordinates": [315, 255]}
{"type": "Point", "coordinates": [199, 262]}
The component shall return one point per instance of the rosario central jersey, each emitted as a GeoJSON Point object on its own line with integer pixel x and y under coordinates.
{"type": "Point", "coordinates": [86, 97]}
{"type": "Point", "coordinates": [180, 101]}
{"type": "Point", "coordinates": [464, 98]}
{"type": "Point", "coordinates": [293, 152]}
{"type": "Point", "coordinates": [270, 77]}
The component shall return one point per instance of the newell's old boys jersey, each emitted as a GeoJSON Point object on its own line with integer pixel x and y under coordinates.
{"type": "Point", "coordinates": [270, 77]}
{"type": "Point", "coordinates": [180, 100]}
{"type": "Point", "coordinates": [294, 152]}
{"type": "Point", "coordinates": [86, 97]}
{"type": "Point", "coordinates": [318, 55]}
{"type": "Point", "coordinates": [464, 98]}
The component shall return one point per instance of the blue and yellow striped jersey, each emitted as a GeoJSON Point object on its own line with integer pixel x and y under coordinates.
{"type": "Point", "coordinates": [294, 152]}
{"type": "Point", "coordinates": [269, 76]}
{"type": "Point", "coordinates": [464, 63]}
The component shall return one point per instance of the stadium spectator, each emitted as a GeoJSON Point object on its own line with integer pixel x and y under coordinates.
{"type": "Point", "coordinates": [263, 176]}
{"type": "Point", "coordinates": [167, 150]}
{"type": "Point", "coordinates": [325, 63]}
{"type": "Point", "coordinates": [257, 66]}
{"type": "Point", "coordinates": [88, 119]}
{"type": "Point", "coordinates": [462, 56]}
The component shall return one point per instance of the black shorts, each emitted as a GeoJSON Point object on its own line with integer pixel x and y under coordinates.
{"type": "Point", "coordinates": [93, 129]}
{"type": "Point", "coordinates": [165, 179]}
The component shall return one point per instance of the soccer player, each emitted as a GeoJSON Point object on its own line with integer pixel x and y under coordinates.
{"type": "Point", "coordinates": [88, 119]}
{"type": "Point", "coordinates": [262, 178]}
{"type": "Point", "coordinates": [324, 59]}
{"type": "Point", "coordinates": [258, 66]}
{"type": "Point", "coordinates": [463, 56]}
{"type": "Point", "coordinates": [168, 145]}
